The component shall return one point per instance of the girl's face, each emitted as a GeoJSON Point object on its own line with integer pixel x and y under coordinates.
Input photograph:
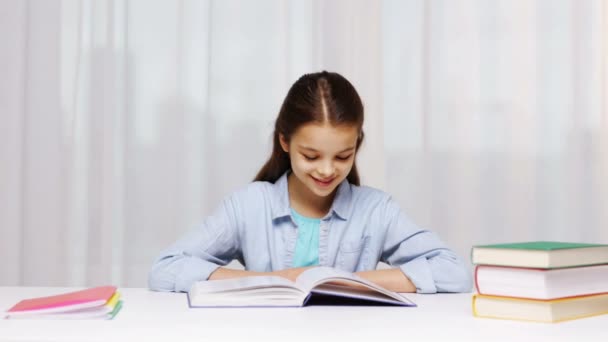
{"type": "Point", "coordinates": [321, 155]}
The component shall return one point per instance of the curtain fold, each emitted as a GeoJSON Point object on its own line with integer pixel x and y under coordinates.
{"type": "Point", "coordinates": [123, 123]}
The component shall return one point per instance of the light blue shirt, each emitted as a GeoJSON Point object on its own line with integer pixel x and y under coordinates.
{"type": "Point", "coordinates": [307, 246]}
{"type": "Point", "coordinates": [363, 226]}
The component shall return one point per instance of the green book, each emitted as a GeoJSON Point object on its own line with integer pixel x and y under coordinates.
{"type": "Point", "coordinates": [540, 254]}
{"type": "Point", "coordinates": [117, 308]}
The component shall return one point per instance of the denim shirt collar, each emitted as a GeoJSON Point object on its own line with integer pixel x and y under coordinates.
{"type": "Point", "coordinates": [340, 207]}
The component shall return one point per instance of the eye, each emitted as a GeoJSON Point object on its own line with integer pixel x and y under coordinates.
{"type": "Point", "coordinates": [344, 158]}
{"type": "Point", "coordinates": [309, 157]}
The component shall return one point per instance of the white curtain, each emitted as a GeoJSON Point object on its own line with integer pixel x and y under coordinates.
{"type": "Point", "coordinates": [495, 118]}
{"type": "Point", "coordinates": [123, 123]}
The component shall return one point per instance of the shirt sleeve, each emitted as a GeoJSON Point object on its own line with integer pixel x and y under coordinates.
{"type": "Point", "coordinates": [429, 264]}
{"type": "Point", "coordinates": [199, 252]}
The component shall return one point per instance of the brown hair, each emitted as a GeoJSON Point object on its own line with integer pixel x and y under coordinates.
{"type": "Point", "coordinates": [314, 98]}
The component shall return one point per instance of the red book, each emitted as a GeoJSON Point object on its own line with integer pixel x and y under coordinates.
{"type": "Point", "coordinates": [77, 300]}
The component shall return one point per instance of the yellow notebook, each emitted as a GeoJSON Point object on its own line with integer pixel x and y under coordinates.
{"type": "Point", "coordinates": [549, 311]}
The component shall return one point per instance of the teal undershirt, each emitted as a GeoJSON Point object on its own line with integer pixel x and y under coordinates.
{"type": "Point", "coordinates": [307, 247]}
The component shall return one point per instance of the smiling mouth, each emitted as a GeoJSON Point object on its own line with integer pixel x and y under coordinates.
{"type": "Point", "coordinates": [323, 182]}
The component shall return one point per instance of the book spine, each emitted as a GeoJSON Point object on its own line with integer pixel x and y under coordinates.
{"type": "Point", "coordinates": [479, 268]}
{"type": "Point", "coordinates": [476, 280]}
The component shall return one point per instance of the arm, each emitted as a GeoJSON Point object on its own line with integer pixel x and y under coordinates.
{"type": "Point", "coordinates": [227, 273]}
{"type": "Point", "coordinates": [198, 253]}
{"type": "Point", "coordinates": [391, 279]}
{"type": "Point", "coordinates": [420, 255]}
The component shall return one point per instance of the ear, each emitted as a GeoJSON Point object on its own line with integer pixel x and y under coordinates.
{"type": "Point", "coordinates": [283, 142]}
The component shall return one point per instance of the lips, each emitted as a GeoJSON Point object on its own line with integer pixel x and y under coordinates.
{"type": "Point", "coordinates": [323, 182]}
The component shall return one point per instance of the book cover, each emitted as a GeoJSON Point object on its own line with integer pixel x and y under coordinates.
{"type": "Point", "coordinates": [540, 254]}
{"type": "Point", "coordinates": [104, 312]}
{"type": "Point", "coordinates": [542, 245]}
{"type": "Point", "coordinates": [88, 302]}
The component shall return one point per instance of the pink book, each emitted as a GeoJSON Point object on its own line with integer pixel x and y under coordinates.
{"type": "Point", "coordinates": [76, 300]}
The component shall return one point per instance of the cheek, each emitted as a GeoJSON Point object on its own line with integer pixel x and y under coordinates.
{"type": "Point", "coordinates": [345, 167]}
{"type": "Point", "coordinates": [301, 164]}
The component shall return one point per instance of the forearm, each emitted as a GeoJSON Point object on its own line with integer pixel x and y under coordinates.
{"type": "Point", "coordinates": [227, 273]}
{"type": "Point", "coordinates": [177, 273]}
{"type": "Point", "coordinates": [391, 279]}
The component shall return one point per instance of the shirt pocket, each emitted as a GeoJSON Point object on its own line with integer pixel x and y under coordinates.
{"type": "Point", "coordinates": [352, 255]}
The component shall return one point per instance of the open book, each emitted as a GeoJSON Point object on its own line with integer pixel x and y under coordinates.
{"type": "Point", "coordinates": [318, 282]}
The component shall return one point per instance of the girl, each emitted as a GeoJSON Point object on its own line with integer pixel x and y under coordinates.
{"type": "Point", "coordinates": [306, 208]}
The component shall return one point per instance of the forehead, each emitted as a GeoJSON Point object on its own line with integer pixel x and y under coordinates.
{"type": "Point", "coordinates": [325, 137]}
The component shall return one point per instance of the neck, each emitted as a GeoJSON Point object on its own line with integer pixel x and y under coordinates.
{"type": "Point", "coordinates": [305, 202]}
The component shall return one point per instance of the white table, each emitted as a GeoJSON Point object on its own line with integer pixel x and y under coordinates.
{"type": "Point", "coordinates": [158, 316]}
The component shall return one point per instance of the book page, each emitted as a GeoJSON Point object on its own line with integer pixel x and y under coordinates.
{"type": "Point", "coordinates": [331, 281]}
{"type": "Point", "coordinates": [240, 284]}
{"type": "Point", "coordinates": [317, 275]}
{"type": "Point", "coordinates": [255, 291]}
{"type": "Point", "coordinates": [366, 295]}
{"type": "Point", "coordinates": [309, 278]}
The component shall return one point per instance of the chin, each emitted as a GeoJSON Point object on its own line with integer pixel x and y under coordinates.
{"type": "Point", "coordinates": [322, 193]}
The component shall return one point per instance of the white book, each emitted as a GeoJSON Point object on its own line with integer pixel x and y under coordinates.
{"type": "Point", "coordinates": [541, 284]}
{"type": "Point", "coordinates": [268, 291]}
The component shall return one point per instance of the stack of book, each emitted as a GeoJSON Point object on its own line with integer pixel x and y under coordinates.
{"type": "Point", "coordinates": [94, 303]}
{"type": "Point", "coordinates": [540, 281]}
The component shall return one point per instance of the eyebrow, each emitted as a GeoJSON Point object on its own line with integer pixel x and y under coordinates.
{"type": "Point", "coordinates": [313, 150]}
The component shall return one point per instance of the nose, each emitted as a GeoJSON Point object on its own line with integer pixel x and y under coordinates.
{"type": "Point", "coordinates": [326, 169]}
